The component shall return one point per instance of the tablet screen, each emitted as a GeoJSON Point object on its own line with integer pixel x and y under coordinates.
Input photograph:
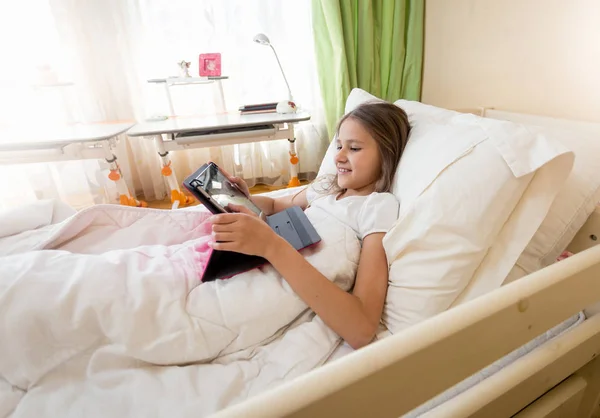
{"type": "Point", "coordinates": [222, 190]}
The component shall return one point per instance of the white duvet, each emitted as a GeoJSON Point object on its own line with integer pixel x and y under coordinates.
{"type": "Point", "coordinates": [102, 314]}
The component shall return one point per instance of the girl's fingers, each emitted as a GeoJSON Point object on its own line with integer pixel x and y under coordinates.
{"type": "Point", "coordinates": [241, 186]}
{"type": "Point", "coordinates": [223, 236]}
{"type": "Point", "coordinates": [240, 209]}
{"type": "Point", "coordinates": [224, 218]}
{"type": "Point", "coordinates": [235, 180]}
{"type": "Point", "coordinates": [222, 246]}
{"type": "Point", "coordinates": [222, 228]}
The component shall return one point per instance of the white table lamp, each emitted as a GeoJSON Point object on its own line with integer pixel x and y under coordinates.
{"type": "Point", "coordinates": [285, 106]}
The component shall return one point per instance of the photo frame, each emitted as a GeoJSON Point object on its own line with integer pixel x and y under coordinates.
{"type": "Point", "coordinates": [210, 65]}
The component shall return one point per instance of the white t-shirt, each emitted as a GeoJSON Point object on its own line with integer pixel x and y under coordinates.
{"type": "Point", "coordinates": [366, 215]}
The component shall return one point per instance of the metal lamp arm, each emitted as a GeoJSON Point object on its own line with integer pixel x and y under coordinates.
{"type": "Point", "coordinates": [284, 77]}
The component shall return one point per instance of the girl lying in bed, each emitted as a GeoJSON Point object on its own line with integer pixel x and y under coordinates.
{"type": "Point", "coordinates": [370, 141]}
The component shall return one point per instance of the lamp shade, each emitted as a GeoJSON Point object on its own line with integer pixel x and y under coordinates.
{"type": "Point", "coordinates": [262, 39]}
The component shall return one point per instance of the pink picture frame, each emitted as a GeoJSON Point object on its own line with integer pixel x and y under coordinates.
{"type": "Point", "coordinates": [210, 65]}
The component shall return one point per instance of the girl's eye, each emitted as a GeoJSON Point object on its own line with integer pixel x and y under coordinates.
{"type": "Point", "coordinates": [339, 147]}
{"type": "Point", "coordinates": [354, 149]}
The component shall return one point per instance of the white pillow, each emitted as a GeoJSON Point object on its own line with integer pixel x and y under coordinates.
{"type": "Point", "coordinates": [576, 199]}
{"type": "Point", "coordinates": [465, 209]}
{"type": "Point", "coordinates": [461, 235]}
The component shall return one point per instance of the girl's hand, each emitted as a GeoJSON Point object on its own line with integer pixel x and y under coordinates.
{"type": "Point", "coordinates": [242, 232]}
{"type": "Point", "coordinates": [240, 183]}
{"type": "Point", "coordinates": [240, 209]}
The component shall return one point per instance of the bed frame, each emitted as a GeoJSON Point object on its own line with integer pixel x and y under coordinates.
{"type": "Point", "coordinates": [561, 378]}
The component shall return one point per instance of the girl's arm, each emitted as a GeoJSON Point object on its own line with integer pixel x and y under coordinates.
{"type": "Point", "coordinates": [269, 205]}
{"type": "Point", "coordinates": [354, 317]}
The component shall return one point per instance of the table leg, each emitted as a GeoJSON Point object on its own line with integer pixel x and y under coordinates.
{"type": "Point", "coordinates": [169, 99]}
{"type": "Point", "coordinates": [115, 175]}
{"type": "Point", "coordinates": [219, 99]}
{"type": "Point", "coordinates": [294, 160]}
{"type": "Point", "coordinates": [177, 196]}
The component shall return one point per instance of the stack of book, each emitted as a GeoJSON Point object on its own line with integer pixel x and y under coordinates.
{"type": "Point", "coordinates": [258, 108]}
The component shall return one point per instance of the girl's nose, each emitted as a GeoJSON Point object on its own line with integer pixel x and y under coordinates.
{"type": "Point", "coordinates": [340, 156]}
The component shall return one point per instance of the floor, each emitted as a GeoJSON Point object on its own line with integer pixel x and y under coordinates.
{"type": "Point", "coordinates": [258, 189]}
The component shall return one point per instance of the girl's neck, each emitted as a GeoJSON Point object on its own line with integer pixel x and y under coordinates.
{"type": "Point", "coordinates": [363, 191]}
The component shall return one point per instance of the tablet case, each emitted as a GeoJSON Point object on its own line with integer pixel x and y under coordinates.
{"type": "Point", "coordinates": [291, 224]}
{"type": "Point", "coordinates": [192, 183]}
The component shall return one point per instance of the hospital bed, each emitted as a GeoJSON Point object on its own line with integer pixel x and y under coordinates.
{"type": "Point", "coordinates": [513, 333]}
{"type": "Point", "coordinates": [527, 349]}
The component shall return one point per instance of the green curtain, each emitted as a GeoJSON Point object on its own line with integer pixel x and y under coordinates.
{"type": "Point", "coordinates": [376, 45]}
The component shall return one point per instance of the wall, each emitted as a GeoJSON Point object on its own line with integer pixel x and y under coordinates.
{"type": "Point", "coordinates": [531, 56]}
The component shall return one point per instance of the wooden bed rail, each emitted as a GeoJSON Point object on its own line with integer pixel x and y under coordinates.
{"type": "Point", "coordinates": [395, 375]}
{"type": "Point", "coordinates": [515, 386]}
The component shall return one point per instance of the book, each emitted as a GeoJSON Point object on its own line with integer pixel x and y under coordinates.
{"type": "Point", "coordinates": [259, 106]}
{"type": "Point", "coordinates": [251, 112]}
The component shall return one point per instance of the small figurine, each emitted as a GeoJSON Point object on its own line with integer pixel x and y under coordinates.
{"type": "Point", "coordinates": [184, 68]}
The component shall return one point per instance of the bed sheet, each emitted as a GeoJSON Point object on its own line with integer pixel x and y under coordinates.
{"type": "Point", "coordinates": [112, 318]}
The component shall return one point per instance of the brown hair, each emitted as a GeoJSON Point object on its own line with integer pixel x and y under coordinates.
{"type": "Point", "coordinates": [388, 125]}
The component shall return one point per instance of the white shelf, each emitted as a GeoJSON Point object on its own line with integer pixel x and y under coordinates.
{"type": "Point", "coordinates": [168, 82]}
{"type": "Point", "coordinates": [186, 80]}
{"type": "Point", "coordinates": [56, 84]}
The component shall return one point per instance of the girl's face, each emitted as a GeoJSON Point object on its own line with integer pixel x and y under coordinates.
{"type": "Point", "coordinates": [357, 160]}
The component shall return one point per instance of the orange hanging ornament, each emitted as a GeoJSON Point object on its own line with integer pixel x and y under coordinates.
{"type": "Point", "coordinates": [166, 170]}
{"type": "Point", "coordinates": [114, 175]}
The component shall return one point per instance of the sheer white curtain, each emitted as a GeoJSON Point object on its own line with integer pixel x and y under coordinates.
{"type": "Point", "coordinates": [37, 92]}
{"type": "Point", "coordinates": [110, 48]}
